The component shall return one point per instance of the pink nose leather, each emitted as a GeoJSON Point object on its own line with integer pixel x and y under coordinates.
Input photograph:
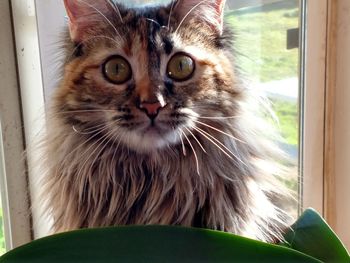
{"type": "Point", "coordinates": [151, 108]}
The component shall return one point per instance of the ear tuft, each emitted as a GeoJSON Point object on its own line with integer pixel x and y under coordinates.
{"type": "Point", "coordinates": [210, 11]}
{"type": "Point", "coordinates": [84, 14]}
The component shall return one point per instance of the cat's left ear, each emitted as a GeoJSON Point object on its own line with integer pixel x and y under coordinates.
{"type": "Point", "coordinates": [210, 11]}
{"type": "Point", "coordinates": [84, 15]}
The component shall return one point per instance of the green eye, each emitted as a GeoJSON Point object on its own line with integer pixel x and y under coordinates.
{"type": "Point", "coordinates": [180, 67]}
{"type": "Point", "coordinates": [117, 70]}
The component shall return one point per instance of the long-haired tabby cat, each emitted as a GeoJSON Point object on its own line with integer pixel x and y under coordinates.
{"type": "Point", "coordinates": [149, 126]}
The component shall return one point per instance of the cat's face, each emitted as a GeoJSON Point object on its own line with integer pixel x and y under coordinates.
{"type": "Point", "coordinates": [143, 77]}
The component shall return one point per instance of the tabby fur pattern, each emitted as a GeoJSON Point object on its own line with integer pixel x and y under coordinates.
{"type": "Point", "coordinates": [205, 162]}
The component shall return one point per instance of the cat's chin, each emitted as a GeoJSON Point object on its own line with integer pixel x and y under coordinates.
{"type": "Point", "coordinates": [151, 140]}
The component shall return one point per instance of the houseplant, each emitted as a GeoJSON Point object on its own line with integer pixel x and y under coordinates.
{"type": "Point", "coordinates": [309, 240]}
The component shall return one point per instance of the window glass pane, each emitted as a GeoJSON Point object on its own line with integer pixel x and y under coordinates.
{"type": "Point", "coordinates": [2, 176]}
{"type": "Point", "coordinates": [2, 235]}
{"type": "Point", "coordinates": [266, 42]}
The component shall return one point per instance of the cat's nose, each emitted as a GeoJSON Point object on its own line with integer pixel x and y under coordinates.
{"type": "Point", "coordinates": [151, 108]}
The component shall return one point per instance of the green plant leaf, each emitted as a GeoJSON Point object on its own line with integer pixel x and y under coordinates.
{"type": "Point", "coordinates": [151, 244]}
{"type": "Point", "coordinates": [313, 236]}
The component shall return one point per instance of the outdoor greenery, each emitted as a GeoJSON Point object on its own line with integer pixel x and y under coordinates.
{"type": "Point", "coordinates": [260, 41]}
{"type": "Point", "coordinates": [262, 55]}
{"type": "Point", "coordinates": [287, 114]}
{"type": "Point", "coordinates": [2, 237]}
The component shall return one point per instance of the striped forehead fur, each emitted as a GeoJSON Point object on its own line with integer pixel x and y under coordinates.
{"type": "Point", "coordinates": [207, 172]}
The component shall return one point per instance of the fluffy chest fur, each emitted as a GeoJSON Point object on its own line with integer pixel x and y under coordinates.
{"type": "Point", "coordinates": [111, 185]}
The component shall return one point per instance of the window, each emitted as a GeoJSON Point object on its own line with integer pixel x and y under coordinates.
{"type": "Point", "coordinates": [2, 234]}
{"type": "Point", "coordinates": [266, 42]}
{"type": "Point", "coordinates": [14, 216]}
{"type": "Point", "coordinates": [271, 58]}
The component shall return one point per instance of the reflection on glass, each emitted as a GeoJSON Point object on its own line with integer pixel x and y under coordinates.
{"type": "Point", "coordinates": [261, 29]}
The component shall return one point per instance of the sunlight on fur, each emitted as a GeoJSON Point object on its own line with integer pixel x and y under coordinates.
{"type": "Point", "coordinates": [151, 124]}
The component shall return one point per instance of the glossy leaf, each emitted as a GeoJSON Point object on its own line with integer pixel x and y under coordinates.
{"type": "Point", "coordinates": [312, 235]}
{"type": "Point", "coordinates": [151, 244]}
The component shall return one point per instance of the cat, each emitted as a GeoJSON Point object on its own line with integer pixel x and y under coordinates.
{"type": "Point", "coordinates": [151, 124]}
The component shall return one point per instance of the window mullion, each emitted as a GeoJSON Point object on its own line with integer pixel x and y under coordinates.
{"type": "Point", "coordinates": [313, 103]}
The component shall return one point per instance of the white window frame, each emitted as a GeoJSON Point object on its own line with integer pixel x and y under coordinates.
{"type": "Point", "coordinates": [326, 180]}
{"type": "Point", "coordinates": [312, 118]}
{"type": "Point", "coordinates": [316, 178]}
{"type": "Point", "coordinates": [14, 193]}
{"type": "Point", "coordinates": [337, 164]}
{"type": "Point", "coordinates": [26, 35]}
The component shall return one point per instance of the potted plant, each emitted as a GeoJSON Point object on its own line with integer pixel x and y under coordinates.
{"type": "Point", "coordinates": [310, 239]}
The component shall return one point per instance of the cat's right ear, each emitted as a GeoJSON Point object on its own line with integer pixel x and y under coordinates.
{"type": "Point", "coordinates": [83, 15]}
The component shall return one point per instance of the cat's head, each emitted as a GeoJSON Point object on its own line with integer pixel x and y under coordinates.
{"type": "Point", "coordinates": [144, 77]}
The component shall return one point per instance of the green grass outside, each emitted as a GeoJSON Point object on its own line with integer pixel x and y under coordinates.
{"type": "Point", "coordinates": [287, 114]}
{"type": "Point", "coordinates": [2, 236]}
{"type": "Point", "coordinates": [261, 42]}
{"type": "Point", "coordinates": [262, 56]}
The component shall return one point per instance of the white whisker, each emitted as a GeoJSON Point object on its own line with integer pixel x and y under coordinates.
{"type": "Point", "coordinates": [99, 142]}
{"type": "Point", "coordinates": [194, 152]}
{"type": "Point", "coordinates": [188, 13]}
{"type": "Point", "coordinates": [218, 118]}
{"type": "Point", "coordinates": [183, 145]}
{"type": "Point", "coordinates": [81, 145]}
{"type": "Point", "coordinates": [153, 21]}
{"type": "Point", "coordinates": [102, 149]}
{"type": "Point", "coordinates": [219, 144]}
{"type": "Point", "coordinates": [199, 143]}
{"type": "Point", "coordinates": [213, 142]}
{"type": "Point", "coordinates": [84, 111]}
{"type": "Point", "coordinates": [171, 13]}
{"type": "Point", "coordinates": [216, 129]}
{"type": "Point", "coordinates": [117, 147]}
{"type": "Point", "coordinates": [116, 9]}
{"type": "Point", "coordinates": [90, 130]}
{"type": "Point", "coordinates": [190, 112]}
{"type": "Point", "coordinates": [106, 127]}
{"type": "Point", "coordinates": [98, 11]}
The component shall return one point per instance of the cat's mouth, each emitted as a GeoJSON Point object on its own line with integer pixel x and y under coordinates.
{"type": "Point", "coordinates": [151, 136]}
{"type": "Point", "coordinates": [155, 129]}
{"type": "Point", "coordinates": [152, 130]}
